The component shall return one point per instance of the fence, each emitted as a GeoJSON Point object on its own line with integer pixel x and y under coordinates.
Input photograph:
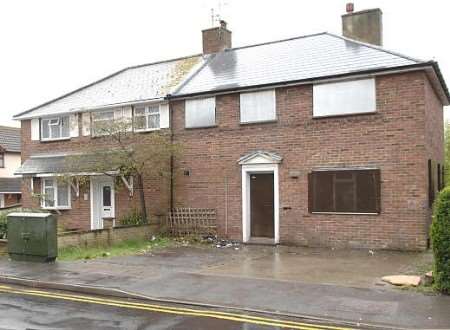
{"type": "Point", "coordinates": [191, 221]}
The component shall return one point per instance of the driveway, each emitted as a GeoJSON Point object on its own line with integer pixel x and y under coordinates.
{"type": "Point", "coordinates": [354, 268]}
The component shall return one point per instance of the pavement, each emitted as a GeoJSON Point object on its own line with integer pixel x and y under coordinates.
{"type": "Point", "coordinates": [338, 285]}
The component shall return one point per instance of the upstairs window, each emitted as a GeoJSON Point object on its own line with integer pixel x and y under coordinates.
{"type": "Point", "coordinates": [258, 106]}
{"type": "Point", "coordinates": [147, 118]}
{"type": "Point", "coordinates": [55, 195]}
{"type": "Point", "coordinates": [200, 112]}
{"type": "Point", "coordinates": [55, 128]}
{"type": "Point", "coordinates": [344, 98]}
{"type": "Point", "coordinates": [101, 122]}
{"type": "Point", "coordinates": [2, 160]}
{"type": "Point", "coordinates": [344, 191]}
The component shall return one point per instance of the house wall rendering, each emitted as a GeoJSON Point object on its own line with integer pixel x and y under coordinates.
{"type": "Point", "coordinates": [11, 161]}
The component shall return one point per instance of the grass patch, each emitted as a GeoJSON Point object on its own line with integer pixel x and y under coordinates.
{"type": "Point", "coordinates": [129, 247]}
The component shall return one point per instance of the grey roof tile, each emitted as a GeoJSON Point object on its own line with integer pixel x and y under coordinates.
{"type": "Point", "coordinates": [10, 138]}
{"type": "Point", "coordinates": [307, 57]}
{"type": "Point", "coordinates": [10, 185]}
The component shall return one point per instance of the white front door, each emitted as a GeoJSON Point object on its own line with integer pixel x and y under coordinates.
{"type": "Point", "coordinates": [102, 200]}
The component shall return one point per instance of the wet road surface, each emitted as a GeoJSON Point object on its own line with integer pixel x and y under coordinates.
{"type": "Point", "coordinates": [26, 308]}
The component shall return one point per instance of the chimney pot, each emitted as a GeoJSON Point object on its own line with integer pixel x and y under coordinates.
{"type": "Point", "coordinates": [223, 24]}
{"type": "Point", "coordinates": [350, 7]}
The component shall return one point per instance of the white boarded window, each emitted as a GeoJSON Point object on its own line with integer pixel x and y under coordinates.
{"type": "Point", "coordinates": [200, 112]}
{"type": "Point", "coordinates": [258, 106]}
{"type": "Point", "coordinates": [55, 128]}
{"type": "Point", "coordinates": [342, 98]}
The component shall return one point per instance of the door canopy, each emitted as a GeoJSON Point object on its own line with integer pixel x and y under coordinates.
{"type": "Point", "coordinates": [260, 157]}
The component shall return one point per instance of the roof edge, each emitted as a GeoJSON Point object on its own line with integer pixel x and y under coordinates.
{"type": "Point", "coordinates": [410, 67]}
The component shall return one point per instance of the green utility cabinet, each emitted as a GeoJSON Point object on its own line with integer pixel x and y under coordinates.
{"type": "Point", "coordinates": [32, 237]}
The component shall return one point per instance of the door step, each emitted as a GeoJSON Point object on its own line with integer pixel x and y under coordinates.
{"type": "Point", "coordinates": [261, 241]}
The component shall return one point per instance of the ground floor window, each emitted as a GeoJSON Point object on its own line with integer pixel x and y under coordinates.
{"type": "Point", "coordinates": [55, 194]}
{"type": "Point", "coordinates": [345, 191]}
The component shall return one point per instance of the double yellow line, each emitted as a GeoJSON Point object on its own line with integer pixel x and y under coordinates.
{"type": "Point", "coordinates": [173, 310]}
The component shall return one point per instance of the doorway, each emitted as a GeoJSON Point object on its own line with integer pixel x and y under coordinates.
{"type": "Point", "coordinates": [262, 205]}
{"type": "Point", "coordinates": [102, 200]}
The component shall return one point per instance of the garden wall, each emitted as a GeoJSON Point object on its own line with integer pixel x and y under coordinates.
{"type": "Point", "coordinates": [106, 236]}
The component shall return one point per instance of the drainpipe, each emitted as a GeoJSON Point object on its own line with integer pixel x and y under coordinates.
{"type": "Point", "coordinates": [171, 156]}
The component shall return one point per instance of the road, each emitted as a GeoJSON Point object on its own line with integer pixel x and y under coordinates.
{"type": "Point", "coordinates": [26, 308]}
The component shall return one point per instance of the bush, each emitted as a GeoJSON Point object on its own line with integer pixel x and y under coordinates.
{"type": "Point", "coordinates": [133, 218]}
{"type": "Point", "coordinates": [440, 236]}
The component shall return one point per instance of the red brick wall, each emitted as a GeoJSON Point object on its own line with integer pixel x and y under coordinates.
{"type": "Point", "coordinates": [394, 139]}
{"type": "Point", "coordinates": [156, 191]}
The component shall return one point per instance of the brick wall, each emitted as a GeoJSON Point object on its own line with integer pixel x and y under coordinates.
{"type": "Point", "coordinates": [106, 236]}
{"type": "Point", "coordinates": [157, 191]}
{"type": "Point", "coordinates": [397, 139]}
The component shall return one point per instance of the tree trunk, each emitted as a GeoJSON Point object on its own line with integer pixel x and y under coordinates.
{"type": "Point", "coordinates": [142, 197]}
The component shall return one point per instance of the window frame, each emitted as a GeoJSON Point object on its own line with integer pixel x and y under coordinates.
{"type": "Point", "coordinates": [273, 91]}
{"type": "Point", "coordinates": [200, 126]}
{"type": "Point", "coordinates": [55, 194]}
{"type": "Point", "coordinates": [333, 170]}
{"type": "Point", "coordinates": [94, 120]}
{"type": "Point", "coordinates": [58, 123]}
{"type": "Point", "coordinates": [146, 115]}
{"type": "Point", "coordinates": [2, 160]}
{"type": "Point", "coordinates": [359, 113]}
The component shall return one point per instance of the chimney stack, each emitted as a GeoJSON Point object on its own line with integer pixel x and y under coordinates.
{"type": "Point", "coordinates": [216, 39]}
{"type": "Point", "coordinates": [365, 25]}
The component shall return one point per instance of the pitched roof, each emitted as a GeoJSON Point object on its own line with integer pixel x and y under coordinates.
{"type": "Point", "coordinates": [134, 84]}
{"type": "Point", "coordinates": [310, 57]}
{"type": "Point", "coordinates": [10, 139]}
{"type": "Point", "coordinates": [10, 185]}
{"type": "Point", "coordinates": [295, 59]}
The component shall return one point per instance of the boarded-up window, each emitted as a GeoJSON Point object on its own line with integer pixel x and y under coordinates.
{"type": "Point", "coordinates": [258, 106]}
{"type": "Point", "coordinates": [342, 98]}
{"type": "Point", "coordinates": [200, 112]}
{"type": "Point", "coordinates": [347, 191]}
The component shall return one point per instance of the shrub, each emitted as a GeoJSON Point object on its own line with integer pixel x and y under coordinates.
{"type": "Point", "coordinates": [132, 218]}
{"type": "Point", "coordinates": [440, 236]}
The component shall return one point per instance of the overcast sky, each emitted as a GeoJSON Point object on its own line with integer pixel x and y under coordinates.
{"type": "Point", "coordinates": [50, 47]}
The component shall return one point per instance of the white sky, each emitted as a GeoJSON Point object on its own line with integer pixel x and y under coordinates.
{"type": "Point", "coordinates": [50, 47]}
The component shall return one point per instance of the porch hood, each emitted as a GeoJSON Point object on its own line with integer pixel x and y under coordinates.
{"type": "Point", "coordinates": [51, 165]}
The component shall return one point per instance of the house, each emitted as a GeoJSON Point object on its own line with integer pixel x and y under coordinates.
{"type": "Point", "coordinates": [318, 140]}
{"type": "Point", "coordinates": [10, 185]}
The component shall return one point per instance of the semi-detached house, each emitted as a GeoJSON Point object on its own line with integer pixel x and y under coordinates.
{"type": "Point", "coordinates": [315, 140]}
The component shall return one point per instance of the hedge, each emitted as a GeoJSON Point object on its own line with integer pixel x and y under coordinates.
{"type": "Point", "coordinates": [440, 237]}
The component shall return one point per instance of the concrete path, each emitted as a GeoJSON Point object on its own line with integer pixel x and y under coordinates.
{"type": "Point", "coordinates": [202, 276]}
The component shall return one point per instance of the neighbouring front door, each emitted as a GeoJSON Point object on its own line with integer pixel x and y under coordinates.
{"type": "Point", "coordinates": [102, 195]}
{"type": "Point", "coordinates": [262, 205]}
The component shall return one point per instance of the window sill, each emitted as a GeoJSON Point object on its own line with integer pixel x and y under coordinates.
{"type": "Point", "coordinates": [146, 130]}
{"type": "Point", "coordinates": [346, 213]}
{"type": "Point", "coordinates": [346, 115]}
{"type": "Point", "coordinates": [200, 127]}
{"type": "Point", "coordinates": [271, 121]}
{"type": "Point", "coordinates": [55, 140]}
